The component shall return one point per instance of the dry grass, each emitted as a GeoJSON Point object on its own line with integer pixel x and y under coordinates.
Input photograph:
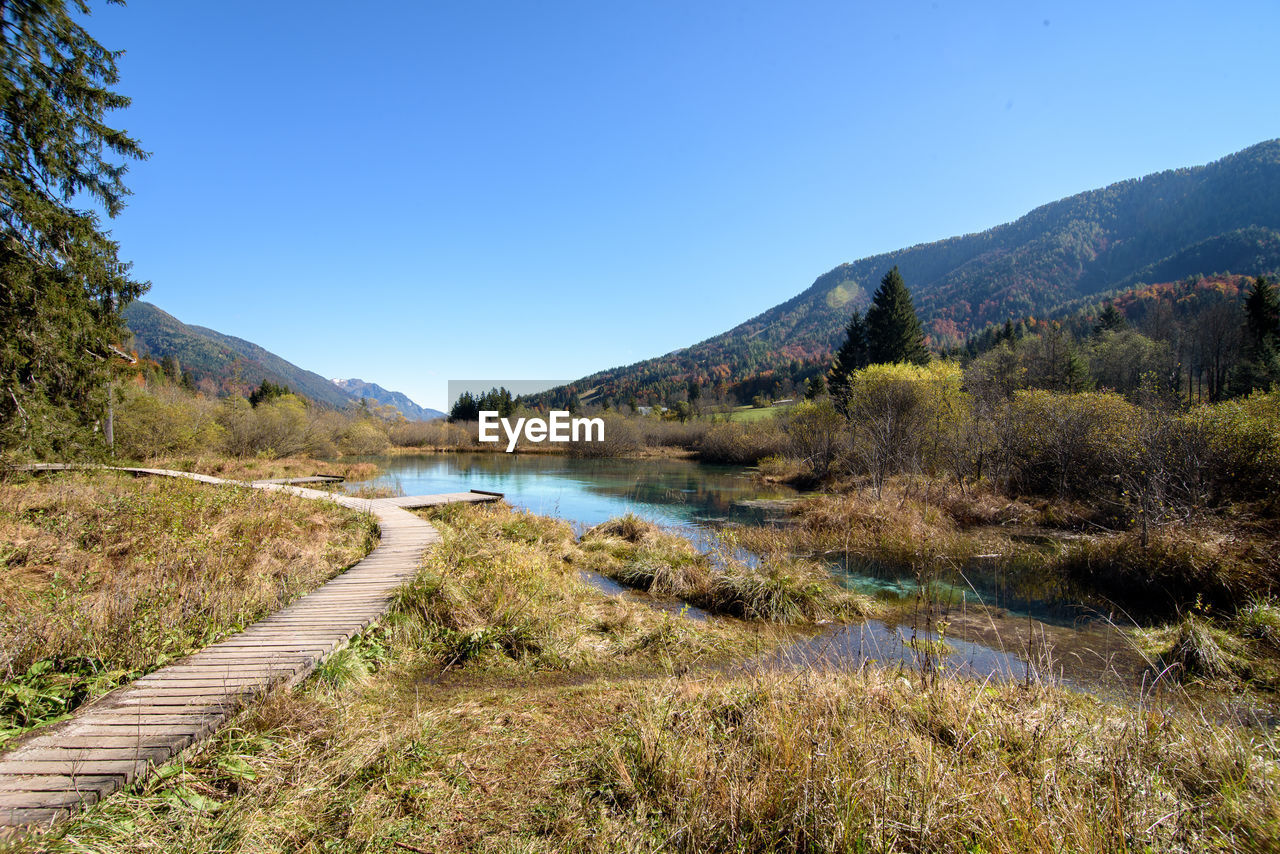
{"type": "Point", "coordinates": [503, 591]}
{"type": "Point", "coordinates": [253, 468]}
{"type": "Point", "coordinates": [106, 576]}
{"type": "Point", "coordinates": [451, 723]}
{"type": "Point", "coordinates": [778, 588]}
{"type": "Point", "coordinates": [870, 761]}
{"type": "Point", "coordinates": [599, 745]}
{"type": "Point", "coordinates": [1178, 566]}
{"type": "Point", "coordinates": [893, 529]}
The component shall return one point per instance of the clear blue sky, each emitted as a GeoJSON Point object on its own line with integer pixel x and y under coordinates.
{"type": "Point", "coordinates": [414, 192]}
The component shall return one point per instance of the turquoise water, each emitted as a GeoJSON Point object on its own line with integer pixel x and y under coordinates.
{"type": "Point", "coordinates": [676, 493]}
{"type": "Point", "coordinates": [695, 499]}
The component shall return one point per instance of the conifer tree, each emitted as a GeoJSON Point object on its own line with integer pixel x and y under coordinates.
{"type": "Point", "coordinates": [893, 330]}
{"type": "Point", "coordinates": [61, 283]}
{"type": "Point", "coordinates": [1262, 313]}
{"type": "Point", "coordinates": [815, 388]}
{"type": "Point", "coordinates": [1260, 368]}
{"type": "Point", "coordinates": [1111, 320]}
{"type": "Point", "coordinates": [853, 355]}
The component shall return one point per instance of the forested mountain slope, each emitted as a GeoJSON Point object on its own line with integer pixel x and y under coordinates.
{"type": "Point", "coordinates": [222, 363]}
{"type": "Point", "coordinates": [1222, 217]}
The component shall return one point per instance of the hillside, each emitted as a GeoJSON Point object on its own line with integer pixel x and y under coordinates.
{"type": "Point", "coordinates": [359, 389]}
{"type": "Point", "coordinates": [222, 363]}
{"type": "Point", "coordinates": [1222, 217]}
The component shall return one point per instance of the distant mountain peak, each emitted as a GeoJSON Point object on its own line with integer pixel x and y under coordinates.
{"type": "Point", "coordinates": [224, 364]}
{"type": "Point", "coordinates": [361, 390]}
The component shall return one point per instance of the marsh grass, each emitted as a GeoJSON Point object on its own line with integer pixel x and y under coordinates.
{"type": "Point", "coordinates": [893, 528]}
{"type": "Point", "coordinates": [1219, 653]}
{"type": "Point", "coordinates": [503, 591]}
{"type": "Point", "coordinates": [453, 719]}
{"type": "Point", "coordinates": [261, 468]}
{"type": "Point", "coordinates": [874, 761]}
{"type": "Point", "coordinates": [1176, 567]}
{"type": "Point", "coordinates": [777, 588]}
{"type": "Point", "coordinates": [638, 739]}
{"type": "Point", "coordinates": [1260, 619]}
{"type": "Point", "coordinates": [105, 577]}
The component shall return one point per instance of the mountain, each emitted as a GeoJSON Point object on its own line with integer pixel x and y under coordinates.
{"type": "Point", "coordinates": [222, 363]}
{"type": "Point", "coordinates": [359, 389]}
{"type": "Point", "coordinates": [1222, 217]}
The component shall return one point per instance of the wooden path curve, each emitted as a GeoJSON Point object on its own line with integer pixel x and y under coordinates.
{"type": "Point", "coordinates": [116, 739]}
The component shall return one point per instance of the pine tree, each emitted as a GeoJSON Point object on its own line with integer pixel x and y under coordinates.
{"type": "Point", "coordinates": [1111, 320]}
{"type": "Point", "coordinates": [893, 330]}
{"type": "Point", "coordinates": [852, 356]}
{"type": "Point", "coordinates": [464, 408]}
{"type": "Point", "coordinates": [1262, 313]}
{"type": "Point", "coordinates": [1260, 368]}
{"type": "Point", "coordinates": [815, 388]}
{"type": "Point", "coordinates": [61, 283]}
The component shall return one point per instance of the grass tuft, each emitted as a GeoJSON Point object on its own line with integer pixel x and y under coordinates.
{"type": "Point", "coordinates": [777, 588]}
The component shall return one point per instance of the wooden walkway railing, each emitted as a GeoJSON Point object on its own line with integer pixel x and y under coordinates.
{"type": "Point", "coordinates": [118, 738]}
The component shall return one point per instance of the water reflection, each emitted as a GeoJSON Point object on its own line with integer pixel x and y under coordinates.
{"type": "Point", "coordinates": [695, 499]}
{"type": "Point", "coordinates": [683, 494]}
{"type": "Point", "coordinates": [979, 644]}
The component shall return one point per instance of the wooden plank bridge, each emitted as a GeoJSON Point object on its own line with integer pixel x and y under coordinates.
{"type": "Point", "coordinates": [116, 739]}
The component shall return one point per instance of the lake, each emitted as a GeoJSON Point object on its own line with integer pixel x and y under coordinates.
{"type": "Point", "coordinates": [681, 494]}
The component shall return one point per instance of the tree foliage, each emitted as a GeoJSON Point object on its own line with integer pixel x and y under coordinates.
{"type": "Point", "coordinates": [1260, 367]}
{"type": "Point", "coordinates": [852, 356]}
{"type": "Point", "coordinates": [268, 391]}
{"type": "Point", "coordinates": [893, 330]}
{"type": "Point", "coordinates": [469, 406]}
{"type": "Point", "coordinates": [61, 281]}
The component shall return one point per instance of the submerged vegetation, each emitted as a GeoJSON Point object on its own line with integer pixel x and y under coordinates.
{"type": "Point", "coordinates": [777, 588]}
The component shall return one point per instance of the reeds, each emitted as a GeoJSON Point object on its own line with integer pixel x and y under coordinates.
{"type": "Point", "coordinates": [616, 753]}
{"type": "Point", "coordinates": [874, 761]}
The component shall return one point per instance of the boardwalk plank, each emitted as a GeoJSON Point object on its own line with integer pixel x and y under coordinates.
{"type": "Point", "coordinates": [117, 738]}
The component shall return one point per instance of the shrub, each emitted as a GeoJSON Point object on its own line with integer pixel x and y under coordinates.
{"type": "Point", "coordinates": [429, 434]}
{"type": "Point", "coordinates": [1244, 444]}
{"type": "Point", "coordinates": [900, 416]}
{"type": "Point", "coordinates": [620, 438]}
{"type": "Point", "coordinates": [1066, 444]}
{"type": "Point", "coordinates": [277, 428]}
{"type": "Point", "coordinates": [816, 436]}
{"type": "Point", "coordinates": [363, 438]}
{"type": "Point", "coordinates": [741, 443]}
{"type": "Point", "coordinates": [664, 433]}
{"type": "Point", "coordinates": [167, 421]}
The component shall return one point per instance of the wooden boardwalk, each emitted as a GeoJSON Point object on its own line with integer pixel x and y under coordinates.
{"type": "Point", "coordinates": [119, 737]}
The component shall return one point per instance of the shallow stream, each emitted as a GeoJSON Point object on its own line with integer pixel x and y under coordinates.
{"type": "Point", "coordinates": [995, 617]}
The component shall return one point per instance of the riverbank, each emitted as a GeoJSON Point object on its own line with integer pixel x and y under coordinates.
{"type": "Point", "coordinates": [507, 705]}
{"type": "Point", "coordinates": [544, 449]}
